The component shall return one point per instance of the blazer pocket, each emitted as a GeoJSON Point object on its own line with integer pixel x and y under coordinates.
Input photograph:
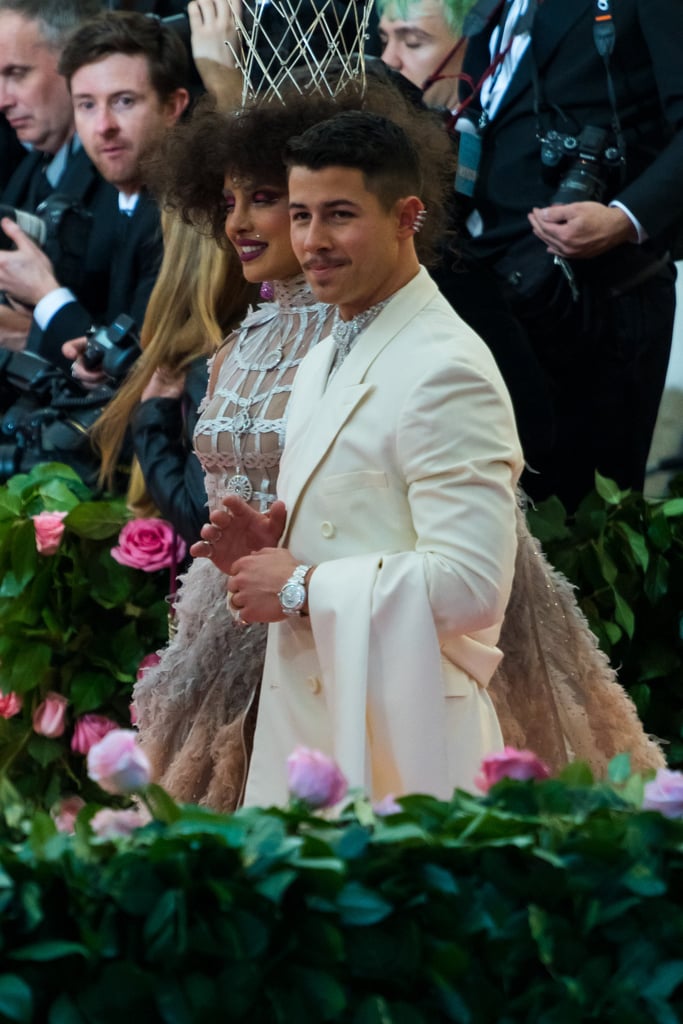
{"type": "Point", "coordinates": [342, 482]}
{"type": "Point", "coordinates": [456, 683]}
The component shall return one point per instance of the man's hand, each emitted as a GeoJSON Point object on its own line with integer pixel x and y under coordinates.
{"type": "Point", "coordinates": [238, 531]}
{"type": "Point", "coordinates": [25, 273]}
{"type": "Point", "coordinates": [74, 350]}
{"type": "Point", "coordinates": [14, 328]}
{"type": "Point", "coordinates": [255, 582]}
{"type": "Point", "coordinates": [581, 230]}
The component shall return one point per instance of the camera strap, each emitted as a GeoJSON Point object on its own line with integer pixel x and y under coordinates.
{"type": "Point", "coordinates": [604, 38]}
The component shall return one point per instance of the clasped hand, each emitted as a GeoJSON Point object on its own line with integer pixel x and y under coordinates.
{"type": "Point", "coordinates": [239, 530]}
{"type": "Point", "coordinates": [581, 230]}
{"type": "Point", "coordinates": [241, 542]}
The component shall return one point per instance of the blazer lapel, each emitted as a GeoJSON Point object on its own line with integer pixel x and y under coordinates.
{"type": "Point", "coordinates": [319, 410]}
{"type": "Point", "coordinates": [553, 20]}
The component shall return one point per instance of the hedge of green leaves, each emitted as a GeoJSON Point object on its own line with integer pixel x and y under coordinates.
{"type": "Point", "coordinates": [545, 903]}
{"type": "Point", "coordinates": [625, 554]}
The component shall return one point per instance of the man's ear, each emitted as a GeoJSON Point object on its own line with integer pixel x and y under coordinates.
{"type": "Point", "coordinates": [409, 210]}
{"type": "Point", "coordinates": [176, 103]}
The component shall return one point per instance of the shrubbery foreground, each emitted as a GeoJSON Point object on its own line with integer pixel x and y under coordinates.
{"type": "Point", "coordinates": [552, 901]}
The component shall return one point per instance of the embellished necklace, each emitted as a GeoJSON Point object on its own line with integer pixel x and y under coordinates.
{"type": "Point", "coordinates": [345, 332]}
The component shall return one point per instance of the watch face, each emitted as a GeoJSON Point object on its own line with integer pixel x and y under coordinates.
{"type": "Point", "coordinates": [293, 596]}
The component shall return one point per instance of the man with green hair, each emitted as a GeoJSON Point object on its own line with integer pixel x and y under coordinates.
{"type": "Point", "coordinates": [423, 40]}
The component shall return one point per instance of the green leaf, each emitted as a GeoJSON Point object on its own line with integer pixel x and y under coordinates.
{"type": "Point", "coordinates": [672, 509]}
{"type": "Point", "coordinates": [656, 579]}
{"type": "Point", "coordinates": [665, 980]}
{"type": "Point", "coordinates": [163, 807]}
{"type": "Point", "coordinates": [30, 667]}
{"type": "Point", "coordinates": [16, 998]}
{"type": "Point", "coordinates": [275, 885]}
{"type": "Point", "coordinates": [43, 750]}
{"type": "Point", "coordinates": [90, 690]}
{"type": "Point", "coordinates": [608, 490]}
{"type": "Point", "coordinates": [548, 521]}
{"type": "Point", "coordinates": [361, 906]}
{"type": "Point", "coordinates": [619, 769]}
{"type": "Point", "coordinates": [97, 520]}
{"type": "Point", "coordinates": [49, 949]}
{"type": "Point", "coordinates": [637, 544]}
{"type": "Point", "coordinates": [623, 613]}
{"type": "Point", "coordinates": [24, 552]}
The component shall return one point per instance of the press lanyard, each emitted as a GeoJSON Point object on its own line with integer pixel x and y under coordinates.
{"type": "Point", "coordinates": [522, 24]}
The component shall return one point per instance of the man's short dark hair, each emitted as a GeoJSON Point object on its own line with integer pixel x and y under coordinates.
{"type": "Point", "coordinates": [57, 18]}
{"type": "Point", "coordinates": [133, 34]}
{"type": "Point", "coordinates": [367, 142]}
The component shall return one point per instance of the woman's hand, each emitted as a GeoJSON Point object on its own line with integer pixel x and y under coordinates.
{"type": "Point", "coordinates": [238, 531]}
{"type": "Point", "coordinates": [164, 384]}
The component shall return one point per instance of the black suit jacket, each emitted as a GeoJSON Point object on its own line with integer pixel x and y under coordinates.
{"type": "Point", "coordinates": [134, 260]}
{"type": "Point", "coordinates": [647, 70]}
{"type": "Point", "coordinates": [83, 183]}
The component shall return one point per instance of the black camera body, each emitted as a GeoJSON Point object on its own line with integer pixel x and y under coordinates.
{"type": "Point", "coordinates": [61, 227]}
{"type": "Point", "coordinates": [588, 160]}
{"type": "Point", "coordinates": [45, 416]}
{"type": "Point", "coordinates": [113, 349]}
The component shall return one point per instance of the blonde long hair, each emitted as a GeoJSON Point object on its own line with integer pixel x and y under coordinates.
{"type": "Point", "coordinates": [199, 296]}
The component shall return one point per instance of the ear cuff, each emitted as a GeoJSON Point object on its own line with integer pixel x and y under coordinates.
{"type": "Point", "coordinates": [420, 218]}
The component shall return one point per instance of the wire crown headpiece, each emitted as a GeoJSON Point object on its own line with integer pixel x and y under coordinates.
{"type": "Point", "coordinates": [309, 45]}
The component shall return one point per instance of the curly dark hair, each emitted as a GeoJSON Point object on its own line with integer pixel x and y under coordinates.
{"type": "Point", "coordinates": [249, 145]}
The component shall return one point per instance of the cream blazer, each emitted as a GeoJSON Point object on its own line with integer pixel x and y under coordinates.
{"type": "Point", "coordinates": [399, 478]}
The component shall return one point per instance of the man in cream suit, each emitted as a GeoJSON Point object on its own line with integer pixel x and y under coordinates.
{"type": "Point", "coordinates": [387, 592]}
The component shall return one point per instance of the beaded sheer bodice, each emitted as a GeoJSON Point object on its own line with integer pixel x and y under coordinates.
{"type": "Point", "coordinates": [240, 432]}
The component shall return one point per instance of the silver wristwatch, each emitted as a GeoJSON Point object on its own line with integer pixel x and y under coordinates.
{"type": "Point", "coordinates": [293, 594]}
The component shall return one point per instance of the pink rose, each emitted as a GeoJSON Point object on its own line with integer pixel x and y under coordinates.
{"type": "Point", "coordinates": [66, 813]}
{"type": "Point", "coordinates": [89, 730]}
{"type": "Point", "coordinates": [10, 704]}
{"type": "Point", "coordinates": [49, 529]}
{"type": "Point", "coordinates": [133, 711]}
{"type": "Point", "coordinates": [510, 764]}
{"type": "Point", "coordinates": [315, 778]}
{"type": "Point", "coordinates": [149, 544]}
{"type": "Point", "coordinates": [664, 793]}
{"type": "Point", "coordinates": [149, 661]}
{"type": "Point", "coordinates": [109, 824]}
{"type": "Point", "coordinates": [49, 717]}
{"type": "Point", "coordinates": [387, 805]}
{"type": "Point", "coordinates": [118, 763]}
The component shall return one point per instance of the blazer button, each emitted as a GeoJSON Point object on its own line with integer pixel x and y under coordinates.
{"type": "Point", "coordinates": [314, 685]}
{"type": "Point", "coordinates": [327, 529]}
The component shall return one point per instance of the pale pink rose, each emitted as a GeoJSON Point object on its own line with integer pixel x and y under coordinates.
{"type": "Point", "coordinates": [49, 718]}
{"type": "Point", "coordinates": [10, 704]}
{"type": "Point", "coordinates": [315, 778]}
{"type": "Point", "coordinates": [149, 544]}
{"type": "Point", "coordinates": [66, 813]}
{"type": "Point", "coordinates": [133, 711]}
{"type": "Point", "coordinates": [387, 805]}
{"type": "Point", "coordinates": [664, 793]}
{"type": "Point", "coordinates": [510, 764]}
{"type": "Point", "coordinates": [110, 824]}
{"type": "Point", "coordinates": [89, 730]}
{"type": "Point", "coordinates": [118, 764]}
{"type": "Point", "coordinates": [49, 529]}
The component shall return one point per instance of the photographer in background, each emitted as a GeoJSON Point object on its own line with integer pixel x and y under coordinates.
{"type": "Point", "coordinates": [573, 137]}
{"type": "Point", "coordinates": [38, 112]}
{"type": "Point", "coordinates": [126, 74]}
